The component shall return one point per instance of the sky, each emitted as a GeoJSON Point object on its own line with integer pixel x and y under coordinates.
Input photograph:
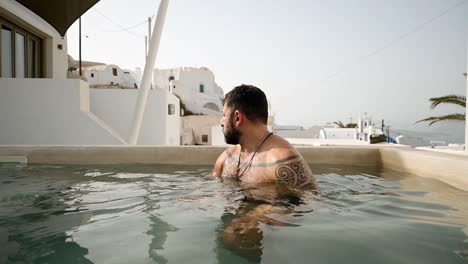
{"type": "Point", "coordinates": [318, 61]}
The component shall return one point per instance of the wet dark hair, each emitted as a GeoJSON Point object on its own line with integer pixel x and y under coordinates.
{"type": "Point", "coordinates": [250, 100]}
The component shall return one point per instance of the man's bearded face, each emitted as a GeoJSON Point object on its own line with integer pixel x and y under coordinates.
{"type": "Point", "coordinates": [231, 133]}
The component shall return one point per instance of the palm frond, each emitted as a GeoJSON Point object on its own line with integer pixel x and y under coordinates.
{"type": "Point", "coordinates": [448, 99]}
{"type": "Point", "coordinates": [435, 119]}
{"type": "Point", "coordinates": [339, 124]}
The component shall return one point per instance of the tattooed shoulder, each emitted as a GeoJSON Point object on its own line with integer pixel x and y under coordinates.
{"type": "Point", "coordinates": [294, 173]}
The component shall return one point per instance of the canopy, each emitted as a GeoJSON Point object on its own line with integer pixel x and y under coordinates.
{"type": "Point", "coordinates": [59, 13]}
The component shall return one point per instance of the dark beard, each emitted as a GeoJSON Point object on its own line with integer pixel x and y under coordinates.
{"type": "Point", "coordinates": [232, 135]}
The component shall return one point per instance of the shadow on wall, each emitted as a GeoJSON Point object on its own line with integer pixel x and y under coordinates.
{"type": "Point", "coordinates": [212, 106]}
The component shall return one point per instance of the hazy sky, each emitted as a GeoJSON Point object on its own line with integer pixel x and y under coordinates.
{"type": "Point", "coordinates": [317, 60]}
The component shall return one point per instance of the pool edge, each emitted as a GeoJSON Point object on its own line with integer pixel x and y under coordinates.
{"type": "Point", "coordinates": [449, 168]}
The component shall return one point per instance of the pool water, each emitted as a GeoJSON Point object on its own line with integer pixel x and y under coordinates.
{"type": "Point", "coordinates": [179, 214]}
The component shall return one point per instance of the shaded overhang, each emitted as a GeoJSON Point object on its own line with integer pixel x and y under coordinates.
{"type": "Point", "coordinates": [60, 14]}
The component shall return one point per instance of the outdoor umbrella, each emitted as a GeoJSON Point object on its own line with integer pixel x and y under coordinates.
{"type": "Point", "coordinates": [59, 13]}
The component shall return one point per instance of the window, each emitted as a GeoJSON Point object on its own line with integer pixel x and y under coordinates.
{"type": "Point", "coordinates": [20, 52]}
{"type": "Point", "coordinates": [170, 109]}
{"type": "Point", "coordinates": [204, 138]}
{"type": "Point", "coordinates": [20, 58]}
{"type": "Point", "coordinates": [34, 64]}
{"type": "Point", "coordinates": [92, 75]}
{"type": "Point", "coordinates": [7, 53]}
{"type": "Point", "coordinates": [114, 71]}
{"type": "Point", "coordinates": [202, 88]}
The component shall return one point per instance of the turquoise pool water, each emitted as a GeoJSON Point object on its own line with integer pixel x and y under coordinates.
{"type": "Point", "coordinates": [173, 214]}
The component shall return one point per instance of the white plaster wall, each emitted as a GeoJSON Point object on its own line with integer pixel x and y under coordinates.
{"type": "Point", "coordinates": [161, 77]}
{"type": "Point", "coordinates": [128, 80]}
{"type": "Point", "coordinates": [56, 61]}
{"type": "Point", "coordinates": [198, 121]}
{"type": "Point", "coordinates": [173, 121]}
{"type": "Point", "coordinates": [58, 68]}
{"type": "Point", "coordinates": [100, 76]}
{"type": "Point", "coordinates": [50, 112]}
{"type": "Point", "coordinates": [137, 75]}
{"type": "Point", "coordinates": [191, 78]}
{"type": "Point", "coordinates": [200, 125]}
{"type": "Point", "coordinates": [158, 122]}
{"type": "Point", "coordinates": [217, 136]}
{"type": "Point", "coordinates": [116, 107]}
{"type": "Point", "coordinates": [92, 80]}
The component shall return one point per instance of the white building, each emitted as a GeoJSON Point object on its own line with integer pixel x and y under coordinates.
{"type": "Point", "coordinates": [296, 131]}
{"type": "Point", "coordinates": [30, 47]}
{"type": "Point", "coordinates": [364, 132]}
{"type": "Point", "coordinates": [40, 106]}
{"type": "Point", "coordinates": [196, 88]}
{"type": "Point", "coordinates": [105, 76]}
{"type": "Point", "coordinates": [338, 133]}
{"type": "Point", "coordinates": [198, 129]}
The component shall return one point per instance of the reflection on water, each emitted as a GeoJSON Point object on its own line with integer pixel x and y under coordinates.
{"type": "Point", "coordinates": [173, 214]}
{"type": "Point", "coordinates": [241, 228]}
{"type": "Point", "coordinates": [158, 231]}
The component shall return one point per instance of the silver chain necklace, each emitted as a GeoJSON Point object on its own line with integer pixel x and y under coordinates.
{"type": "Point", "coordinates": [249, 163]}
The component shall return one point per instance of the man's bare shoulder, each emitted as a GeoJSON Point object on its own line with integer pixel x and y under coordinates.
{"type": "Point", "coordinates": [281, 149]}
{"type": "Point", "coordinates": [219, 164]}
{"type": "Point", "coordinates": [289, 166]}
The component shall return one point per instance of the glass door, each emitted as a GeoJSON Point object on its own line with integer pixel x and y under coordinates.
{"type": "Point", "coordinates": [20, 55]}
{"type": "Point", "coordinates": [6, 52]}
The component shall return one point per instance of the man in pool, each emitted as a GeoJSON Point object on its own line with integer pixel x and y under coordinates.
{"type": "Point", "coordinates": [257, 155]}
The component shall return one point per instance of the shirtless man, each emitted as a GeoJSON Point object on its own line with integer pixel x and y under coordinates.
{"type": "Point", "coordinates": [257, 156]}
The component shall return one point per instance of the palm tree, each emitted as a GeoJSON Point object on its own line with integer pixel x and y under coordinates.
{"type": "Point", "coordinates": [349, 125]}
{"type": "Point", "coordinates": [339, 124]}
{"type": "Point", "coordinates": [448, 99]}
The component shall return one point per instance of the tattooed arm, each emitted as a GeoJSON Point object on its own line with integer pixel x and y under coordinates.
{"type": "Point", "coordinates": [294, 171]}
{"type": "Point", "coordinates": [218, 167]}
